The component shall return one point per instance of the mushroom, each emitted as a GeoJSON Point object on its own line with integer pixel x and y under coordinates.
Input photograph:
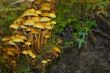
{"type": "Point", "coordinates": [36, 19]}
{"type": "Point", "coordinates": [56, 49]}
{"type": "Point", "coordinates": [11, 42]}
{"type": "Point", "coordinates": [29, 22]}
{"type": "Point", "coordinates": [53, 22]}
{"type": "Point", "coordinates": [14, 26]}
{"type": "Point", "coordinates": [45, 19]}
{"type": "Point", "coordinates": [38, 12]}
{"type": "Point", "coordinates": [46, 6]}
{"type": "Point", "coordinates": [52, 15]}
{"type": "Point", "coordinates": [39, 25]}
{"type": "Point", "coordinates": [5, 39]}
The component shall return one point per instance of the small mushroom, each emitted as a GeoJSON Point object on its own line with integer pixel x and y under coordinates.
{"type": "Point", "coordinates": [38, 12]}
{"type": "Point", "coordinates": [46, 6]}
{"type": "Point", "coordinates": [56, 49]}
{"type": "Point", "coordinates": [18, 40]}
{"type": "Point", "coordinates": [29, 22]}
{"type": "Point", "coordinates": [14, 26]}
{"type": "Point", "coordinates": [53, 22]}
{"type": "Point", "coordinates": [28, 43]}
{"type": "Point", "coordinates": [52, 15]}
{"type": "Point", "coordinates": [45, 19]}
{"type": "Point", "coordinates": [36, 19]}
{"type": "Point", "coordinates": [39, 25]}
{"type": "Point", "coordinates": [5, 39]}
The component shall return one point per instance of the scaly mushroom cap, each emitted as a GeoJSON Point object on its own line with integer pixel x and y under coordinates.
{"type": "Point", "coordinates": [14, 26]}
{"type": "Point", "coordinates": [45, 19]}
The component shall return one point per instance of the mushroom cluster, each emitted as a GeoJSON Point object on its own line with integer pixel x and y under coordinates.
{"type": "Point", "coordinates": [31, 31]}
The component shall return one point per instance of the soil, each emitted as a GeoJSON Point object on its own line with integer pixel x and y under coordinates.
{"type": "Point", "coordinates": [93, 58]}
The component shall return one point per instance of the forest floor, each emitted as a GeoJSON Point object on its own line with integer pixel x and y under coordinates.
{"type": "Point", "coordinates": [93, 58]}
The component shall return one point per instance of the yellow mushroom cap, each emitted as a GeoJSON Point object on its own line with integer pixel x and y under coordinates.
{"type": "Point", "coordinates": [28, 43]}
{"type": "Point", "coordinates": [57, 49]}
{"type": "Point", "coordinates": [23, 37]}
{"type": "Point", "coordinates": [36, 19]}
{"type": "Point", "coordinates": [25, 52]}
{"type": "Point", "coordinates": [48, 24]}
{"type": "Point", "coordinates": [29, 22]}
{"type": "Point", "coordinates": [30, 10]}
{"type": "Point", "coordinates": [5, 39]}
{"type": "Point", "coordinates": [39, 25]}
{"type": "Point", "coordinates": [45, 14]}
{"type": "Point", "coordinates": [45, 19]}
{"type": "Point", "coordinates": [18, 40]}
{"type": "Point", "coordinates": [52, 15]}
{"type": "Point", "coordinates": [14, 26]}
{"type": "Point", "coordinates": [23, 26]}
{"type": "Point", "coordinates": [46, 6]}
{"type": "Point", "coordinates": [44, 62]}
{"type": "Point", "coordinates": [12, 43]}
{"type": "Point", "coordinates": [29, 29]}
{"type": "Point", "coordinates": [38, 12]}
{"type": "Point", "coordinates": [31, 54]}
{"type": "Point", "coordinates": [47, 36]}
{"type": "Point", "coordinates": [53, 22]}
{"type": "Point", "coordinates": [49, 27]}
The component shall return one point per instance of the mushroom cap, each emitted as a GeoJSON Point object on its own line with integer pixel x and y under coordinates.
{"type": "Point", "coordinates": [39, 25]}
{"type": "Point", "coordinates": [25, 52]}
{"type": "Point", "coordinates": [49, 27]}
{"type": "Point", "coordinates": [29, 22]}
{"type": "Point", "coordinates": [53, 22]}
{"type": "Point", "coordinates": [44, 62]}
{"type": "Point", "coordinates": [45, 14]}
{"type": "Point", "coordinates": [23, 37]}
{"type": "Point", "coordinates": [46, 6]}
{"type": "Point", "coordinates": [45, 19]}
{"type": "Point", "coordinates": [47, 36]}
{"type": "Point", "coordinates": [14, 26]}
{"type": "Point", "coordinates": [38, 12]}
{"type": "Point", "coordinates": [12, 42]}
{"type": "Point", "coordinates": [36, 19]}
{"type": "Point", "coordinates": [56, 49]}
{"type": "Point", "coordinates": [18, 40]}
{"type": "Point", "coordinates": [31, 54]}
{"type": "Point", "coordinates": [29, 14]}
{"type": "Point", "coordinates": [23, 26]}
{"type": "Point", "coordinates": [28, 43]}
{"type": "Point", "coordinates": [52, 15]}
{"type": "Point", "coordinates": [5, 39]}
